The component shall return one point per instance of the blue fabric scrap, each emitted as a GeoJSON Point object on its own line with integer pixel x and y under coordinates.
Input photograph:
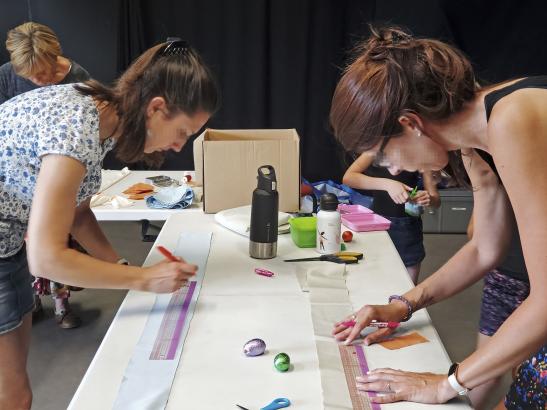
{"type": "Point", "coordinates": [171, 198]}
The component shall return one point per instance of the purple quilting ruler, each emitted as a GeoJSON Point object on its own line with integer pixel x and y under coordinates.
{"type": "Point", "coordinates": [355, 364]}
{"type": "Point", "coordinates": [169, 334]}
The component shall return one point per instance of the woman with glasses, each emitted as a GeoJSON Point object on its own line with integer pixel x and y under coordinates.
{"type": "Point", "coordinates": [418, 98]}
{"type": "Point", "coordinates": [52, 142]}
{"type": "Point", "coordinates": [392, 189]}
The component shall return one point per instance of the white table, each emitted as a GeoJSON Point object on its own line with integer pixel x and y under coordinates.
{"type": "Point", "coordinates": [236, 305]}
{"type": "Point", "coordinates": [139, 210]}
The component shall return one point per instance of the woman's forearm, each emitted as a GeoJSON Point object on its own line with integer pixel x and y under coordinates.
{"type": "Point", "coordinates": [88, 233]}
{"type": "Point", "coordinates": [361, 181]}
{"type": "Point", "coordinates": [520, 336]}
{"type": "Point", "coordinates": [71, 267]}
{"type": "Point", "coordinates": [461, 271]}
{"type": "Point", "coordinates": [435, 199]}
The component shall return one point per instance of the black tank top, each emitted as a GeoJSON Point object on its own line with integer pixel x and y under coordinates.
{"type": "Point", "coordinates": [383, 204]}
{"type": "Point", "coordinates": [513, 265]}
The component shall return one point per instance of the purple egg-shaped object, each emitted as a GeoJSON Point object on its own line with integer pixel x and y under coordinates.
{"type": "Point", "coordinates": [254, 347]}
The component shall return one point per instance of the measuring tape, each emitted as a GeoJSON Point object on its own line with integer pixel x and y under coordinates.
{"type": "Point", "coordinates": [355, 364]}
{"type": "Point", "coordinates": [147, 381]}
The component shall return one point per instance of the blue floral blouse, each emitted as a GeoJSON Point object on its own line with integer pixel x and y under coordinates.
{"type": "Point", "coordinates": [48, 120]}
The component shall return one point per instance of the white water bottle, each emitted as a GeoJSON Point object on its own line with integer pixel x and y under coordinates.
{"type": "Point", "coordinates": [328, 225]}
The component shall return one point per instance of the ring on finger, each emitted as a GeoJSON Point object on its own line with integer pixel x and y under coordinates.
{"type": "Point", "coordinates": [353, 317]}
{"type": "Point", "coordinates": [388, 387]}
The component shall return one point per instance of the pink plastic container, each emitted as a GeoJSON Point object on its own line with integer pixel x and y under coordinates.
{"type": "Point", "coordinates": [364, 220]}
{"type": "Point", "coordinates": [352, 209]}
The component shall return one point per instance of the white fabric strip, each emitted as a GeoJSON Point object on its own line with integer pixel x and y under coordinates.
{"type": "Point", "coordinates": [147, 383]}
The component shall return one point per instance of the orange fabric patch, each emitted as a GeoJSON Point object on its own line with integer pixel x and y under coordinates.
{"type": "Point", "coordinates": [399, 342]}
{"type": "Point", "coordinates": [139, 188]}
{"type": "Point", "coordinates": [139, 196]}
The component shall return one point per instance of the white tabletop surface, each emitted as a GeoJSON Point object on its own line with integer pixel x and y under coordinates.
{"type": "Point", "coordinates": [139, 210]}
{"type": "Point", "coordinates": [236, 305]}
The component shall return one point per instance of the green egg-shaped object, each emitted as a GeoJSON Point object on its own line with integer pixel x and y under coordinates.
{"type": "Point", "coordinates": [282, 362]}
{"type": "Point", "coordinates": [342, 246]}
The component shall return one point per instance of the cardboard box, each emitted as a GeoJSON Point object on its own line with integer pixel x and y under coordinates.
{"type": "Point", "coordinates": [227, 161]}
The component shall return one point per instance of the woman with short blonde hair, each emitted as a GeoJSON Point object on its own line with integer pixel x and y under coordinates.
{"type": "Point", "coordinates": [36, 60]}
{"type": "Point", "coordinates": [31, 46]}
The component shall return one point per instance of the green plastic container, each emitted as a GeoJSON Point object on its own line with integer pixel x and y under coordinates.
{"type": "Point", "coordinates": [304, 231]}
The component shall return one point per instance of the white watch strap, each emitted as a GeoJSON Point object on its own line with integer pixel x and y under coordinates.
{"type": "Point", "coordinates": [462, 391]}
{"type": "Point", "coordinates": [122, 261]}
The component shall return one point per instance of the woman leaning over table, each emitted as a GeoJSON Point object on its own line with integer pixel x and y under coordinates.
{"type": "Point", "coordinates": [53, 140]}
{"type": "Point", "coordinates": [414, 103]}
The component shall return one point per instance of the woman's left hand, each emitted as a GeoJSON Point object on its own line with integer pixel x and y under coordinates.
{"type": "Point", "coordinates": [422, 198]}
{"type": "Point", "coordinates": [398, 385]}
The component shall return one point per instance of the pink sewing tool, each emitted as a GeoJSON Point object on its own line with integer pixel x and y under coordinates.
{"type": "Point", "coordinates": [390, 325]}
{"type": "Point", "coordinates": [264, 272]}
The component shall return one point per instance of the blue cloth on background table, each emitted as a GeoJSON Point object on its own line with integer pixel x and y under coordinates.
{"type": "Point", "coordinates": [171, 198]}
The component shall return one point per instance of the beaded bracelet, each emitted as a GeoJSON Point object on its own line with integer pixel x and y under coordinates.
{"type": "Point", "coordinates": [406, 302]}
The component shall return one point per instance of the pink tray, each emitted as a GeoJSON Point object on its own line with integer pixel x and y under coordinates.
{"type": "Point", "coordinates": [352, 209]}
{"type": "Point", "coordinates": [363, 222]}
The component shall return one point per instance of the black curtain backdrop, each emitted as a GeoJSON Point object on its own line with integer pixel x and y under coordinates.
{"type": "Point", "coordinates": [278, 61]}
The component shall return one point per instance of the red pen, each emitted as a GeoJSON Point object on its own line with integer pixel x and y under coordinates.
{"type": "Point", "coordinates": [390, 325]}
{"type": "Point", "coordinates": [167, 254]}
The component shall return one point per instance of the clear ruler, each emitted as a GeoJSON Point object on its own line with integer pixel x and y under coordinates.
{"type": "Point", "coordinates": [169, 335]}
{"type": "Point", "coordinates": [148, 377]}
{"type": "Point", "coordinates": [355, 364]}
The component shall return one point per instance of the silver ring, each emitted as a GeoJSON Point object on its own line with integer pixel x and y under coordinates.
{"type": "Point", "coordinates": [353, 317]}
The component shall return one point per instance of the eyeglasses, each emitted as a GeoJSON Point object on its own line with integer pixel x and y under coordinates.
{"type": "Point", "coordinates": [381, 159]}
{"type": "Point", "coordinates": [175, 46]}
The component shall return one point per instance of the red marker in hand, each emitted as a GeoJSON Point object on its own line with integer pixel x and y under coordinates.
{"type": "Point", "coordinates": [167, 254]}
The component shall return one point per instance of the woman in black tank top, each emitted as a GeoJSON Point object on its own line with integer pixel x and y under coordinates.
{"type": "Point", "coordinates": [414, 104]}
{"type": "Point", "coordinates": [391, 193]}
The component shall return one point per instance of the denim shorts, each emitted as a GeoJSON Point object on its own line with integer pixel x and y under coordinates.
{"type": "Point", "coordinates": [16, 295]}
{"type": "Point", "coordinates": [407, 235]}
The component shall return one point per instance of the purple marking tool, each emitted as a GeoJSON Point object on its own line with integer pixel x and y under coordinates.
{"type": "Point", "coordinates": [264, 272]}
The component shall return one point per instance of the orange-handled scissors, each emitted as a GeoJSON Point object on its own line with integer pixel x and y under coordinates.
{"type": "Point", "coordinates": [338, 257]}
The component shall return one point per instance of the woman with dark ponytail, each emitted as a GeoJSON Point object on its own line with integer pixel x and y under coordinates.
{"type": "Point", "coordinates": [413, 104]}
{"type": "Point", "coordinates": [53, 140]}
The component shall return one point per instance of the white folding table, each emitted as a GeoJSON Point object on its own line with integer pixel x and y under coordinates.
{"type": "Point", "coordinates": [139, 210]}
{"type": "Point", "coordinates": [236, 305]}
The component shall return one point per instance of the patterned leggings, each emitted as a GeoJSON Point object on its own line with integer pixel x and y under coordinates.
{"type": "Point", "coordinates": [529, 389]}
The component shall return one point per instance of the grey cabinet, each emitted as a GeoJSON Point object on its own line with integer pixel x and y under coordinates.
{"type": "Point", "coordinates": [453, 215]}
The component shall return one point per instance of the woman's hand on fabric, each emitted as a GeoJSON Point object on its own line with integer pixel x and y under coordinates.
{"type": "Point", "coordinates": [393, 312]}
{"type": "Point", "coordinates": [167, 276]}
{"type": "Point", "coordinates": [398, 385]}
{"type": "Point", "coordinates": [397, 191]}
{"type": "Point", "coordinates": [422, 198]}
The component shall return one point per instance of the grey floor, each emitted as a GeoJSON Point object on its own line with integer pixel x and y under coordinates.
{"type": "Point", "coordinates": [59, 358]}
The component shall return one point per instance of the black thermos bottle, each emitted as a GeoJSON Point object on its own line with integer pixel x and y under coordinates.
{"type": "Point", "coordinates": [264, 215]}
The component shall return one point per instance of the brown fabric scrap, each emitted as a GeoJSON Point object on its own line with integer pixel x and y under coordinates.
{"type": "Point", "coordinates": [139, 188]}
{"type": "Point", "coordinates": [398, 342]}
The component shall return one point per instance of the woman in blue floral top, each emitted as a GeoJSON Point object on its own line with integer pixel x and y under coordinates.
{"type": "Point", "coordinates": [52, 143]}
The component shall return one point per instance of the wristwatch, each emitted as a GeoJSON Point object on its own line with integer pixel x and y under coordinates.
{"type": "Point", "coordinates": [122, 261]}
{"type": "Point", "coordinates": [453, 381]}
